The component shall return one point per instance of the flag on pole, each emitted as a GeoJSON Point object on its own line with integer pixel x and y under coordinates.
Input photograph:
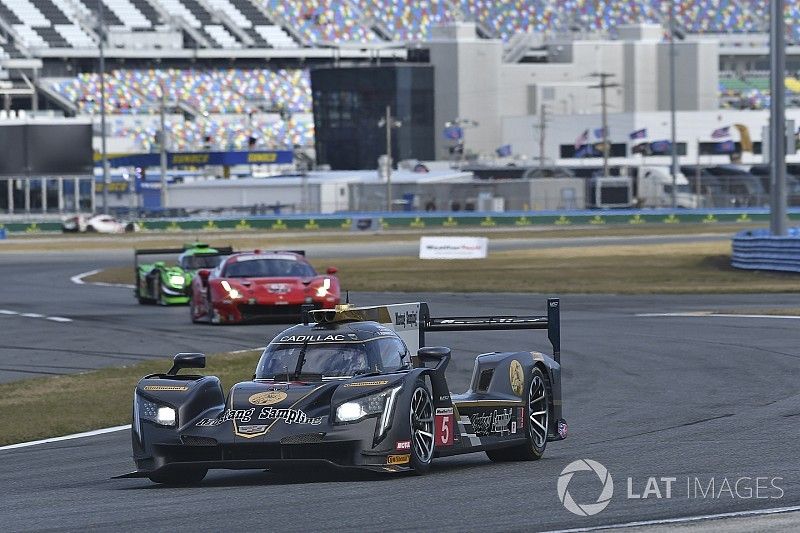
{"type": "Point", "coordinates": [599, 133]}
{"type": "Point", "coordinates": [582, 139]}
{"type": "Point", "coordinates": [744, 138]}
{"type": "Point", "coordinates": [453, 133]}
{"type": "Point", "coordinates": [660, 147]}
{"type": "Point", "coordinates": [721, 133]}
{"type": "Point", "coordinates": [638, 134]}
{"type": "Point", "coordinates": [724, 147]}
{"type": "Point", "coordinates": [503, 151]}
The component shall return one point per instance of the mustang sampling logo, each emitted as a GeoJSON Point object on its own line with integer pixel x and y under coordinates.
{"type": "Point", "coordinates": [585, 509]}
{"type": "Point", "coordinates": [267, 398]}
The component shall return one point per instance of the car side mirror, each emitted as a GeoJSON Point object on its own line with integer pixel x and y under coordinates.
{"type": "Point", "coordinates": [440, 355]}
{"type": "Point", "coordinates": [203, 273]}
{"type": "Point", "coordinates": [332, 270]}
{"type": "Point", "coordinates": [187, 360]}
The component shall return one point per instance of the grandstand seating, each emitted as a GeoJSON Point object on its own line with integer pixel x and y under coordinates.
{"type": "Point", "coordinates": [212, 91]}
{"type": "Point", "coordinates": [52, 23]}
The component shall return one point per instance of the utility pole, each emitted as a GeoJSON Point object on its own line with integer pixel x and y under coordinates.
{"type": "Point", "coordinates": [104, 153]}
{"type": "Point", "coordinates": [777, 119]}
{"type": "Point", "coordinates": [541, 127]}
{"type": "Point", "coordinates": [672, 105]}
{"type": "Point", "coordinates": [603, 85]}
{"type": "Point", "coordinates": [389, 122]}
{"type": "Point", "coordinates": [163, 146]}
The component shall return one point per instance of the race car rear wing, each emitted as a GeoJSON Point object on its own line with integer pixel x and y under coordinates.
{"type": "Point", "coordinates": [221, 250]}
{"type": "Point", "coordinates": [551, 322]}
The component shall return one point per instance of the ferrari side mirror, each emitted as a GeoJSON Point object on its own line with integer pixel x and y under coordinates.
{"type": "Point", "coordinates": [203, 273]}
{"type": "Point", "coordinates": [332, 270]}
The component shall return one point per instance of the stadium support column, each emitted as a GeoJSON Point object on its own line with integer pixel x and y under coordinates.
{"type": "Point", "coordinates": [104, 153]}
{"type": "Point", "coordinates": [777, 126]}
{"type": "Point", "coordinates": [672, 114]}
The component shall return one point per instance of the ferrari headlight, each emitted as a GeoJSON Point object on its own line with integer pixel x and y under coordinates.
{"type": "Point", "coordinates": [232, 293]}
{"type": "Point", "coordinates": [323, 289]}
{"type": "Point", "coordinates": [160, 414]}
{"type": "Point", "coordinates": [177, 280]}
{"type": "Point", "coordinates": [380, 403]}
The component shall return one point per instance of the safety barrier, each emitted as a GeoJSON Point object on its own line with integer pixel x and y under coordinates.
{"type": "Point", "coordinates": [758, 250]}
{"type": "Point", "coordinates": [433, 221]}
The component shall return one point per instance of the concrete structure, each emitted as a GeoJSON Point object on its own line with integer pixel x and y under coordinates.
{"type": "Point", "coordinates": [472, 80]}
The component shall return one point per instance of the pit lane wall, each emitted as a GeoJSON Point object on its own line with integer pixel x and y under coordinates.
{"type": "Point", "coordinates": [758, 250]}
{"type": "Point", "coordinates": [431, 221]}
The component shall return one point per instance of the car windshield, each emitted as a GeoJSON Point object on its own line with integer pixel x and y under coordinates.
{"type": "Point", "coordinates": [332, 359]}
{"type": "Point", "coordinates": [195, 262]}
{"type": "Point", "coordinates": [268, 268]}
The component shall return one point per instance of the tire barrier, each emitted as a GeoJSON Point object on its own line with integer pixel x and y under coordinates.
{"type": "Point", "coordinates": [758, 250]}
{"type": "Point", "coordinates": [374, 221]}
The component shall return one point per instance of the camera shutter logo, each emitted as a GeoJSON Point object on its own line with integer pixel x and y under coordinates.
{"type": "Point", "coordinates": [585, 509]}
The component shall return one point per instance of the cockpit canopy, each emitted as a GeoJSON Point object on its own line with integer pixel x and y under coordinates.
{"type": "Point", "coordinates": [341, 352]}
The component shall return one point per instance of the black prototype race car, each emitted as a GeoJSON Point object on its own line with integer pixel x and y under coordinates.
{"type": "Point", "coordinates": [346, 391]}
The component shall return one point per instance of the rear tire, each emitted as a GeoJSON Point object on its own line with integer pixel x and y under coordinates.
{"type": "Point", "coordinates": [422, 428]}
{"type": "Point", "coordinates": [159, 292]}
{"type": "Point", "coordinates": [537, 423]}
{"type": "Point", "coordinates": [180, 477]}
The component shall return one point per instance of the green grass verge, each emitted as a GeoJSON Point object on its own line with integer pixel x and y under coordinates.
{"type": "Point", "coordinates": [61, 405]}
{"type": "Point", "coordinates": [634, 269]}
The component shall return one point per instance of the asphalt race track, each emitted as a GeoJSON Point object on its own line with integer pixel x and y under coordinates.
{"type": "Point", "coordinates": [708, 399]}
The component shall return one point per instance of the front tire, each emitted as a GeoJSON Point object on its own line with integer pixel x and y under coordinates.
{"type": "Point", "coordinates": [537, 411]}
{"type": "Point", "coordinates": [180, 477]}
{"type": "Point", "coordinates": [421, 420]}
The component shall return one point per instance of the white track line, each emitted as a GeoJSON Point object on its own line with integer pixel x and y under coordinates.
{"type": "Point", "coordinates": [9, 312]}
{"type": "Point", "coordinates": [65, 437]}
{"type": "Point", "coordinates": [721, 315]}
{"type": "Point", "coordinates": [78, 279]}
{"type": "Point", "coordinates": [682, 520]}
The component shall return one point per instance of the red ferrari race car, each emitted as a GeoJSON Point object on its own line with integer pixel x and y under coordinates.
{"type": "Point", "coordinates": [253, 286]}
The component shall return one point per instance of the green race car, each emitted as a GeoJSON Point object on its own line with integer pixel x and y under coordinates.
{"type": "Point", "coordinates": [167, 284]}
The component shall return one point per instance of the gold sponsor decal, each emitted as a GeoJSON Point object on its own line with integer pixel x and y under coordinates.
{"type": "Point", "coordinates": [398, 459]}
{"type": "Point", "coordinates": [517, 377]}
{"type": "Point", "coordinates": [183, 159]}
{"type": "Point", "coordinates": [165, 388]}
{"type": "Point", "coordinates": [367, 383]}
{"type": "Point", "coordinates": [262, 158]}
{"type": "Point", "coordinates": [267, 398]}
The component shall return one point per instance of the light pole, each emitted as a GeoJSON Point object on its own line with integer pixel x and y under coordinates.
{"type": "Point", "coordinates": [103, 152]}
{"type": "Point", "coordinates": [603, 85]}
{"type": "Point", "coordinates": [672, 105]}
{"type": "Point", "coordinates": [389, 122]}
{"type": "Point", "coordinates": [163, 147]}
{"type": "Point", "coordinates": [777, 119]}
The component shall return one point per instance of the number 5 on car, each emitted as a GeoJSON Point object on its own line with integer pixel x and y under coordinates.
{"type": "Point", "coordinates": [444, 426]}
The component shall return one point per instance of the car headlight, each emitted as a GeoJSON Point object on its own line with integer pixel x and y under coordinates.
{"type": "Point", "coordinates": [323, 289]}
{"type": "Point", "coordinates": [160, 414]}
{"type": "Point", "coordinates": [381, 403]}
{"type": "Point", "coordinates": [177, 280]}
{"type": "Point", "coordinates": [232, 293]}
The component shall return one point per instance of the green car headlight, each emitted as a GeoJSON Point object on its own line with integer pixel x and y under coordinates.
{"type": "Point", "coordinates": [177, 280]}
